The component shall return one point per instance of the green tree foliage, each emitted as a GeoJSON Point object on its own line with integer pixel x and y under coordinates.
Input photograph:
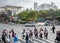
{"type": "Point", "coordinates": [43, 13]}
{"type": "Point", "coordinates": [28, 15]}
{"type": "Point", "coordinates": [3, 17]}
{"type": "Point", "coordinates": [32, 15]}
{"type": "Point", "coordinates": [23, 14]}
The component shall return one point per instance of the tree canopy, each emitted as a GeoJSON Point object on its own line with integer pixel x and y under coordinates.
{"type": "Point", "coordinates": [34, 15]}
{"type": "Point", "coordinates": [28, 15]}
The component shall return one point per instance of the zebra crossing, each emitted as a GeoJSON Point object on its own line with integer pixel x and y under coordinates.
{"type": "Point", "coordinates": [39, 41]}
{"type": "Point", "coordinates": [36, 40]}
{"type": "Point", "coordinates": [48, 40]}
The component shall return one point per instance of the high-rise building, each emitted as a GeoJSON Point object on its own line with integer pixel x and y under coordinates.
{"type": "Point", "coordinates": [45, 6]}
{"type": "Point", "coordinates": [35, 6]}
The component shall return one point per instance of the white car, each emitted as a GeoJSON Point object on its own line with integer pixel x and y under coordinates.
{"type": "Point", "coordinates": [31, 24]}
{"type": "Point", "coordinates": [41, 23]}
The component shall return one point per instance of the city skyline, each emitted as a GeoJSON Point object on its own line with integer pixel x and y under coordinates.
{"type": "Point", "coordinates": [27, 3]}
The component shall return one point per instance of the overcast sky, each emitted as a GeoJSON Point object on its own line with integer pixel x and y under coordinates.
{"type": "Point", "coordinates": [27, 3]}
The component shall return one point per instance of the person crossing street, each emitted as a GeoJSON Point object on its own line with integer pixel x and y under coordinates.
{"type": "Point", "coordinates": [53, 29]}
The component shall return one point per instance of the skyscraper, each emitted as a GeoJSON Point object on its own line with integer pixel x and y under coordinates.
{"type": "Point", "coordinates": [35, 6]}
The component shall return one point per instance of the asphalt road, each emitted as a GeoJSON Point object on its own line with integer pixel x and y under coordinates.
{"type": "Point", "coordinates": [18, 29]}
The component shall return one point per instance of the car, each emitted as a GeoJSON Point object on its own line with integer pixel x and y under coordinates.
{"type": "Point", "coordinates": [41, 23]}
{"type": "Point", "coordinates": [30, 24]}
{"type": "Point", "coordinates": [33, 24]}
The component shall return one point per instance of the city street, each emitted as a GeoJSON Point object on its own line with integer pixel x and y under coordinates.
{"type": "Point", "coordinates": [18, 30]}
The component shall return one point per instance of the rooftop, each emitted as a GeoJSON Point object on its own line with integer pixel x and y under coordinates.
{"type": "Point", "coordinates": [9, 6]}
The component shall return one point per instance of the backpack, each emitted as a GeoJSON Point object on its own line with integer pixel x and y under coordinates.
{"type": "Point", "coordinates": [15, 39]}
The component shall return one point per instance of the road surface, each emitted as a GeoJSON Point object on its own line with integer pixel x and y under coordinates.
{"type": "Point", "coordinates": [18, 30]}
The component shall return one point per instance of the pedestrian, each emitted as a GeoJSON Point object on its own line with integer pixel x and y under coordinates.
{"type": "Point", "coordinates": [58, 34]}
{"type": "Point", "coordinates": [53, 29]}
{"type": "Point", "coordinates": [7, 35]}
{"type": "Point", "coordinates": [46, 34]}
{"type": "Point", "coordinates": [0, 41]}
{"type": "Point", "coordinates": [6, 21]}
{"type": "Point", "coordinates": [5, 32]}
{"type": "Point", "coordinates": [28, 30]}
{"type": "Point", "coordinates": [36, 33]}
{"type": "Point", "coordinates": [15, 38]}
{"type": "Point", "coordinates": [27, 38]}
{"type": "Point", "coordinates": [12, 32]}
{"type": "Point", "coordinates": [41, 33]}
{"type": "Point", "coordinates": [23, 33]}
{"type": "Point", "coordinates": [3, 37]}
{"type": "Point", "coordinates": [31, 35]}
{"type": "Point", "coordinates": [57, 37]}
{"type": "Point", "coordinates": [10, 37]}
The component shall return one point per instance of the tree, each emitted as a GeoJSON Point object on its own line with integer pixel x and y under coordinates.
{"type": "Point", "coordinates": [43, 13]}
{"type": "Point", "coordinates": [23, 14]}
{"type": "Point", "coordinates": [53, 13]}
{"type": "Point", "coordinates": [32, 15]}
{"type": "Point", "coordinates": [2, 15]}
{"type": "Point", "coordinates": [58, 12]}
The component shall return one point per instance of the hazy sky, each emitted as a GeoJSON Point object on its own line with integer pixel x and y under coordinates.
{"type": "Point", "coordinates": [28, 3]}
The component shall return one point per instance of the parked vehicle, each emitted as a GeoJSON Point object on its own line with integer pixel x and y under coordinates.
{"type": "Point", "coordinates": [30, 24]}
{"type": "Point", "coordinates": [41, 23]}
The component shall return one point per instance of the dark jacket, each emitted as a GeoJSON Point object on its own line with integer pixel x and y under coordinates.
{"type": "Point", "coordinates": [27, 37]}
{"type": "Point", "coordinates": [12, 33]}
{"type": "Point", "coordinates": [3, 37]}
{"type": "Point", "coordinates": [53, 28]}
{"type": "Point", "coordinates": [57, 38]}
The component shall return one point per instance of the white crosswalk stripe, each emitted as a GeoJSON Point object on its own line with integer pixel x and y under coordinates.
{"type": "Point", "coordinates": [24, 40]}
{"type": "Point", "coordinates": [8, 40]}
{"type": "Point", "coordinates": [39, 40]}
{"type": "Point", "coordinates": [35, 40]}
{"type": "Point", "coordinates": [48, 40]}
{"type": "Point", "coordinates": [19, 42]}
{"type": "Point", "coordinates": [51, 39]}
{"type": "Point", "coordinates": [21, 39]}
